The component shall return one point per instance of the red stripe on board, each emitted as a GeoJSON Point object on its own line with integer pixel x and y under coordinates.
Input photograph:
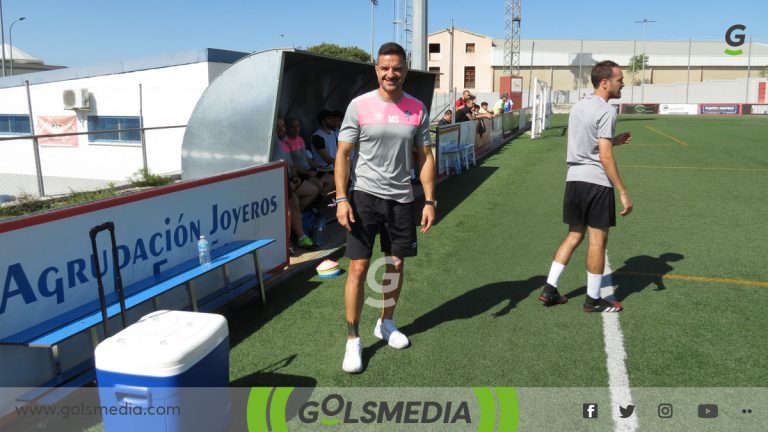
{"type": "Point", "coordinates": [28, 221]}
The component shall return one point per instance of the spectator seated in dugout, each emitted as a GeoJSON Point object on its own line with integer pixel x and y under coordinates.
{"type": "Point", "coordinates": [305, 167]}
{"type": "Point", "coordinates": [323, 141]}
{"type": "Point", "coordinates": [301, 193]}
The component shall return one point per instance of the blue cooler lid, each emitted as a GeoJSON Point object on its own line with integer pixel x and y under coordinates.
{"type": "Point", "coordinates": [162, 344]}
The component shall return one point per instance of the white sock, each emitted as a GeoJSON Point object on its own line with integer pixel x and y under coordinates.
{"type": "Point", "coordinates": [594, 281]}
{"type": "Point", "coordinates": [555, 272]}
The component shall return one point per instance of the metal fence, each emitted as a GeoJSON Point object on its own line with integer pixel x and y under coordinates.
{"type": "Point", "coordinates": [25, 161]}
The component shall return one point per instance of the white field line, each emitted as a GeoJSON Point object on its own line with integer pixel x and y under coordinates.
{"type": "Point", "coordinates": [616, 358]}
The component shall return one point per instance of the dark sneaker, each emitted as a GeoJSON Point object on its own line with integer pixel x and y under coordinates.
{"type": "Point", "coordinates": [602, 305]}
{"type": "Point", "coordinates": [551, 297]}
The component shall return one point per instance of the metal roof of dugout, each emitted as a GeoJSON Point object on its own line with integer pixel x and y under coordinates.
{"type": "Point", "coordinates": [233, 123]}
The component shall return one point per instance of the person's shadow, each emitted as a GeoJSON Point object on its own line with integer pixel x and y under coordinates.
{"type": "Point", "coordinates": [477, 301]}
{"type": "Point", "coordinates": [642, 271]}
{"type": "Point", "coordinates": [470, 304]}
{"type": "Point", "coordinates": [270, 377]}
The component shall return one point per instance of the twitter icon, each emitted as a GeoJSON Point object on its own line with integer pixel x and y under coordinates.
{"type": "Point", "coordinates": [626, 412]}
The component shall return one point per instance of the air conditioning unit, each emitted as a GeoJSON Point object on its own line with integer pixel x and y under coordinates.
{"type": "Point", "coordinates": [76, 99]}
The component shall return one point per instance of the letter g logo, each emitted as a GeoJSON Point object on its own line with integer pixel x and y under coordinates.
{"type": "Point", "coordinates": [736, 40]}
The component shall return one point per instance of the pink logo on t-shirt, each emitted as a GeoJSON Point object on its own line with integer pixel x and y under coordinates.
{"type": "Point", "coordinates": [373, 110]}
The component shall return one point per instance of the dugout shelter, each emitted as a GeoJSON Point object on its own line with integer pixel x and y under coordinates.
{"type": "Point", "coordinates": [233, 123]}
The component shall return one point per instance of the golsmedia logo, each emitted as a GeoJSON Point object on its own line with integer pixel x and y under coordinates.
{"type": "Point", "coordinates": [735, 40]}
{"type": "Point", "coordinates": [288, 408]}
{"type": "Point", "coordinates": [338, 410]}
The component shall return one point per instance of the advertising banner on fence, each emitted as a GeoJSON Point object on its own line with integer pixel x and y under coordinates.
{"type": "Point", "coordinates": [755, 109]}
{"type": "Point", "coordinates": [49, 269]}
{"type": "Point", "coordinates": [448, 138]}
{"type": "Point", "coordinates": [483, 138]}
{"type": "Point", "coordinates": [719, 109]}
{"type": "Point", "coordinates": [678, 109]}
{"type": "Point", "coordinates": [49, 125]}
{"type": "Point", "coordinates": [510, 122]}
{"type": "Point", "coordinates": [639, 108]}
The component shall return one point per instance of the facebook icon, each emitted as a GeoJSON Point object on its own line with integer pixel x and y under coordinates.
{"type": "Point", "coordinates": [590, 411]}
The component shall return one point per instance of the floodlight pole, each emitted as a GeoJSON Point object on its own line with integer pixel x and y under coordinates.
{"type": "Point", "coordinates": [634, 72]}
{"type": "Point", "coordinates": [688, 79]}
{"type": "Point", "coordinates": [749, 66]}
{"type": "Point", "coordinates": [373, 24]}
{"type": "Point", "coordinates": [642, 80]}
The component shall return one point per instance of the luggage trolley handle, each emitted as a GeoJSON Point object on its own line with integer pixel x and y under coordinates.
{"type": "Point", "coordinates": [110, 226]}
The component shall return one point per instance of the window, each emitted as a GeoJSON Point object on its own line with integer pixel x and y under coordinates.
{"type": "Point", "coordinates": [469, 77]}
{"type": "Point", "coordinates": [470, 48]}
{"type": "Point", "coordinates": [436, 71]}
{"type": "Point", "coordinates": [112, 123]}
{"type": "Point", "coordinates": [14, 124]}
{"type": "Point", "coordinates": [434, 52]}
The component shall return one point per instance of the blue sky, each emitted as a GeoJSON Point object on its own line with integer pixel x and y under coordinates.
{"type": "Point", "coordinates": [94, 32]}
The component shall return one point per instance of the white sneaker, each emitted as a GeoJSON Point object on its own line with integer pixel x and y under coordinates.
{"type": "Point", "coordinates": [386, 330]}
{"type": "Point", "coordinates": [353, 356]}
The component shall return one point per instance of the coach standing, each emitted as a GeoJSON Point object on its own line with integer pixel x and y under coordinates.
{"type": "Point", "coordinates": [383, 125]}
{"type": "Point", "coordinates": [589, 203]}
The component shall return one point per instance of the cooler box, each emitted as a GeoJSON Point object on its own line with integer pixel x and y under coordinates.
{"type": "Point", "coordinates": [152, 373]}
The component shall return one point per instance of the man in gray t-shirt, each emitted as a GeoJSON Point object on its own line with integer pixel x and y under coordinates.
{"type": "Point", "coordinates": [384, 126]}
{"type": "Point", "coordinates": [589, 202]}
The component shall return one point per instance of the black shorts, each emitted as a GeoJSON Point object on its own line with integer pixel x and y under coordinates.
{"type": "Point", "coordinates": [395, 221]}
{"type": "Point", "coordinates": [589, 204]}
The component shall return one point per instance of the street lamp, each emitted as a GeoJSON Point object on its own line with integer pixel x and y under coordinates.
{"type": "Point", "coordinates": [642, 79]}
{"type": "Point", "coordinates": [283, 35]}
{"type": "Point", "coordinates": [10, 39]}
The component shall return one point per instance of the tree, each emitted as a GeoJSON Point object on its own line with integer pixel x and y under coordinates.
{"type": "Point", "coordinates": [763, 72]}
{"type": "Point", "coordinates": [333, 50]}
{"type": "Point", "coordinates": [636, 65]}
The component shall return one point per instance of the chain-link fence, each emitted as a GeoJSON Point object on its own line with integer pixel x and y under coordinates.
{"type": "Point", "coordinates": [59, 164]}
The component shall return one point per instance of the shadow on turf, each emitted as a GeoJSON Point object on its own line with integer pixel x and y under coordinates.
{"type": "Point", "coordinates": [637, 274]}
{"type": "Point", "coordinates": [268, 377]}
{"type": "Point", "coordinates": [469, 305]}
{"type": "Point", "coordinates": [453, 190]}
{"type": "Point", "coordinates": [642, 271]}
{"type": "Point", "coordinates": [246, 319]}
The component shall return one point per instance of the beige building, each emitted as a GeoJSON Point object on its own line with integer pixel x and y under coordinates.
{"type": "Point", "coordinates": [471, 56]}
{"type": "Point", "coordinates": [478, 61]}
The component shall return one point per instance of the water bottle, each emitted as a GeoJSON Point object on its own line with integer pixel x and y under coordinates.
{"type": "Point", "coordinates": [203, 251]}
{"type": "Point", "coordinates": [319, 232]}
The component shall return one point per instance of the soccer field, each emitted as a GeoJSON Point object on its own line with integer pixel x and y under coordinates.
{"type": "Point", "coordinates": [689, 267]}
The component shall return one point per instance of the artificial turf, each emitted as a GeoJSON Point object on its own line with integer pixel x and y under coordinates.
{"type": "Point", "coordinates": [469, 299]}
